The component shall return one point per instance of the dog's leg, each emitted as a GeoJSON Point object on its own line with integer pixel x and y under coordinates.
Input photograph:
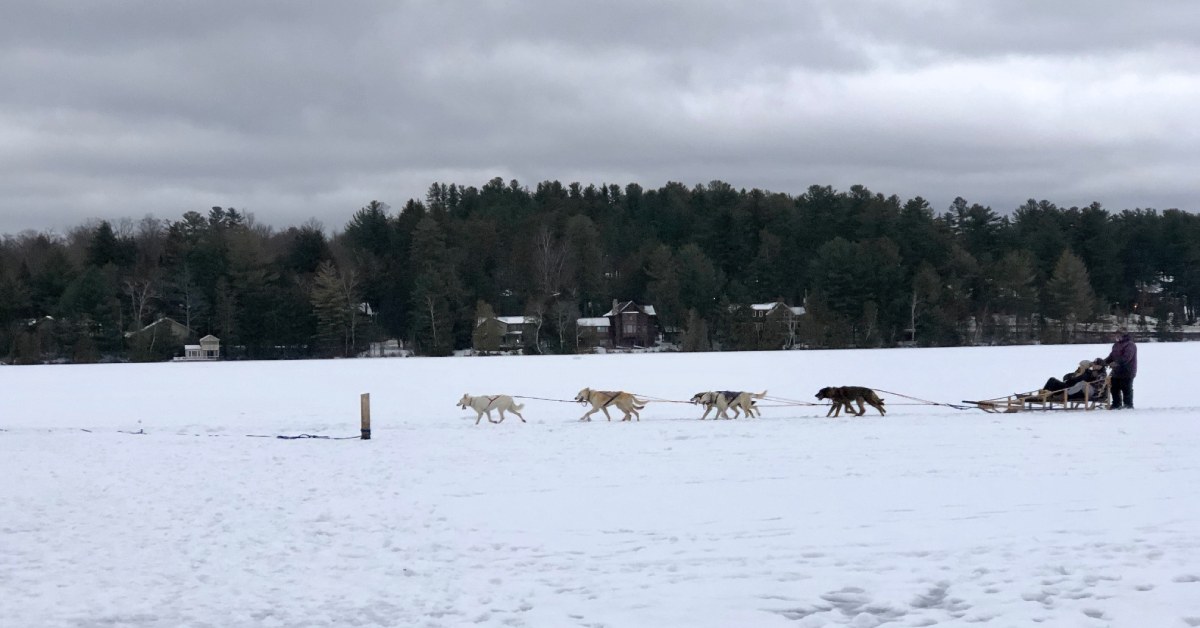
{"type": "Point", "coordinates": [606, 414]}
{"type": "Point", "coordinates": [519, 415]}
{"type": "Point", "coordinates": [501, 411]}
{"type": "Point", "coordinates": [862, 409]}
{"type": "Point", "coordinates": [587, 415]}
{"type": "Point", "coordinates": [478, 416]}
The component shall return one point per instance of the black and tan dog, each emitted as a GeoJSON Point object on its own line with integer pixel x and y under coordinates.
{"type": "Point", "coordinates": [846, 396]}
{"type": "Point", "coordinates": [721, 401]}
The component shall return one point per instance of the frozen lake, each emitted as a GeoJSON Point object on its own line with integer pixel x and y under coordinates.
{"type": "Point", "coordinates": [928, 516]}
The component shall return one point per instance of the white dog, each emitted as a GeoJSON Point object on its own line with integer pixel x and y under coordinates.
{"type": "Point", "coordinates": [741, 402]}
{"type": "Point", "coordinates": [485, 404]}
{"type": "Point", "coordinates": [600, 400]}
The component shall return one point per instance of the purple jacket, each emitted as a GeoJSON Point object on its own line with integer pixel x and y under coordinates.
{"type": "Point", "coordinates": [1123, 358]}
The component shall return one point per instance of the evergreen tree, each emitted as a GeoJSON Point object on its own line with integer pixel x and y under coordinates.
{"type": "Point", "coordinates": [663, 291]}
{"type": "Point", "coordinates": [585, 263]}
{"type": "Point", "coordinates": [335, 301]}
{"type": "Point", "coordinates": [1012, 279]}
{"type": "Point", "coordinates": [436, 291]}
{"type": "Point", "coordinates": [1069, 295]}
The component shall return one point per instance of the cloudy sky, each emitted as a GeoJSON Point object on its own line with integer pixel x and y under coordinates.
{"type": "Point", "coordinates": [292, 111]}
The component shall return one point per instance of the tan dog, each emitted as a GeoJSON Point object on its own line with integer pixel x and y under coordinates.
{"type": "Point", "coordinates": [741, 402]}
{"type": "Point", "coordinates": [485, 404]}
{"type": "Point", "coordinates": [602, 399]}
{"type": "Point", "coordinates": [845, 396]}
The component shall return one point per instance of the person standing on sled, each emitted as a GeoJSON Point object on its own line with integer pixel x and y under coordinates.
{"type": "Point", "coordinates": [1123, 360]}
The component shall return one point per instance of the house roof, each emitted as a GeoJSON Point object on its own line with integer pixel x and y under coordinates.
{"type": "Point", "coordinates": [209, 338]}
{"type": "Point", "coordinates": [770, 307]}
{"type": "Point", "coordinates": [592, 322]}
{"type": "Point", "coordinates": [630, 305]}
{"type": "Point", "coordinates": [506, 320]}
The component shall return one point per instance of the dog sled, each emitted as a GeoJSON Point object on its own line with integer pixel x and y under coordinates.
{"type": "Point", "coordinates": [1088, 396]}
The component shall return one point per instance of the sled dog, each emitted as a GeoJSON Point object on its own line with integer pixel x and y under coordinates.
{"type": "Point", "coordinates": [484, 404]}
{"type": "Point", "coordinates": [600, 400]}
{"type": "Point", "coordinates": [723, 400]}
{"type": "Point", "coordinates": [846, 396]}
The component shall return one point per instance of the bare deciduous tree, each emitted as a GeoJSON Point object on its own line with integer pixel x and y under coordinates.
{"type": "Point", "coordinates": [550, 259]}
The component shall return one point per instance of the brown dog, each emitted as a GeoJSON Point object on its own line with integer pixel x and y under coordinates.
{"type": "Point", "coordinates": [846, 396]}
{"type": "Point", "coordinates": [602, 399]}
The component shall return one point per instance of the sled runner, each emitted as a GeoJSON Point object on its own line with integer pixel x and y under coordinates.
{"type": "Point", "coordinates": [1088, 396]}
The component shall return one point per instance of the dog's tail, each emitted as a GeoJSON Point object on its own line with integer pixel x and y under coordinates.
{"type": "Point", "coordinates": [518, 407]}
{"type": "Point", "coordinates": [759, 395]}
{"type": "Point", "coordinates": [639, 403]}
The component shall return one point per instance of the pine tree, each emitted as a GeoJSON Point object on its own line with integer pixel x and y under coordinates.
{"type": "Point", "coordinates": [663, 289]}
{"type": "Point", "coordinates": [335, 300]}
{"type": "Point", "coordinates": [436, 289]}
{"type": "Point", "coordinates": [1069, 295]}
{"type": "Point", "coordinates": [1014, 291]}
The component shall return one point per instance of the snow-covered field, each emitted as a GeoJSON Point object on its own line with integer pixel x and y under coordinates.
{"type": "Point", "coordinates": [929, 516]}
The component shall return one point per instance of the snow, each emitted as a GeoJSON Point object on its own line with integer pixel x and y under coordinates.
{"type": "Point", "coordinates": [928, 516]}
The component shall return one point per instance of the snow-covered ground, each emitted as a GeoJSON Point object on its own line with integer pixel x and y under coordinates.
{"type": "Point", "coordinates": [929, 516]}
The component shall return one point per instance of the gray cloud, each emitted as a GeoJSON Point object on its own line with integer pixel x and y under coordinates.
{"type": "Point", "coordinates": [293, 111]}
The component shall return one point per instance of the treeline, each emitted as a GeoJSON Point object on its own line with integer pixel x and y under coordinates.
{"type": "Point", "coordinates": [872, 270]}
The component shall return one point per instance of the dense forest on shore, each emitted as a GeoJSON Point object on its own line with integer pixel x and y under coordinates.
{"type": "Point", "coordinates": [871, 270]}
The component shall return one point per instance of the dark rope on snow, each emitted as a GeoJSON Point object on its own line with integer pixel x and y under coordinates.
{"type": "Point", "coordinates": [543, 399]}
{"type": "Point", "coordinates": [925, 402]}
{"type": "Point", "coordinates": [303, 437]}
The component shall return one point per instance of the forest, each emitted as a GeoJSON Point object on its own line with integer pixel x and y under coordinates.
{"type": "Point", "coordinates": [870, 270]}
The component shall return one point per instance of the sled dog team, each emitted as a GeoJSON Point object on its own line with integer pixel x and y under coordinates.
{"type": "Point", "coordinates": [742, 403]}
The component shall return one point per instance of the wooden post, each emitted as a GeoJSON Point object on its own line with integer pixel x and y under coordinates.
{"type": "Point", "coordinates": [365, 402]}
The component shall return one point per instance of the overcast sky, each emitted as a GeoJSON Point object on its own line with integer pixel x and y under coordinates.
{"type": "Point", "coordinates": [292, 111]}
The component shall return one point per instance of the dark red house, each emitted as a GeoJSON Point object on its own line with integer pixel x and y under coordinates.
{"type": "Point", "coordinates": [632, 325]}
